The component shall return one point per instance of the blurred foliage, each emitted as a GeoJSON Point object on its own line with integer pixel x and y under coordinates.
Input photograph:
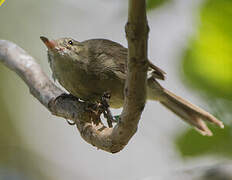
{"type": "Point", "coordinates": [191, 143]}
{"type": "Point", "coordinates": [207, 66]}
{"type": "Point", "coordinates": [208, 61]}
{"type": "Point", "coordinates": [151, 4]}
{"type": "Point", "coordinates": [8, 134]}
{"type": "Point", "coordinates": [16, 162]}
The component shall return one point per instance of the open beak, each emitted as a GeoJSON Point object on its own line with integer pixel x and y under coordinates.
{"type": "Point", "coordinates": [49, 43]}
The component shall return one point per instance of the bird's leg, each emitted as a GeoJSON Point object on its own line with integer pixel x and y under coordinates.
{"type": "Point", "coordinates": [106, 110]}
{"type": "Point", "coordinates": [101, 107]}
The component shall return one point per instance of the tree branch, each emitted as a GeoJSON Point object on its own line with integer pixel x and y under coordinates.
{"type": "Point", "coordinates": [135, 88]}
{"type": "Point", "coordinates": [109, 139]}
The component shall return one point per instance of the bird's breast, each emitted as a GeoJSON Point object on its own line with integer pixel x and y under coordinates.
{"type": "Point", "coordinates": [87, 84]}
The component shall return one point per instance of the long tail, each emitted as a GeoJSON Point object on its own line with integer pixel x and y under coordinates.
{"type": "Point", "coordinates": [184, 109]}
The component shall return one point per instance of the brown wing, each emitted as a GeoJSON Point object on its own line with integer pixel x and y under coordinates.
{"type": "Point", "coordinates": [118, 54]}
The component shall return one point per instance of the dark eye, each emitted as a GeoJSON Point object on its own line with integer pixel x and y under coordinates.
{"type": "Point", "coordinates": [70, 42]}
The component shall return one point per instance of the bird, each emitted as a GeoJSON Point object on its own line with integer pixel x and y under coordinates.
{"type": "Point", "coordinates": [90, 68]}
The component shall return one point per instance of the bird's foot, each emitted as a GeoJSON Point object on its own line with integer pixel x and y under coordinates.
{"type": "Point", "coordinates": [104, 102]}
{"type": "Point", "coordinates": [95, 109]}
{"type": "Point", "coordinates": [98, 108]}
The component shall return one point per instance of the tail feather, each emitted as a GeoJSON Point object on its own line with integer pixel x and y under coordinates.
{"type": "Point", "coordinates": [184, 109]}
{"type": "Point", "coordinates": [189, 112]}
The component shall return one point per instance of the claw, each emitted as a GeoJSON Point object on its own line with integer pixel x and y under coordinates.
{"type": "Point", "coordinates": [71, 123]}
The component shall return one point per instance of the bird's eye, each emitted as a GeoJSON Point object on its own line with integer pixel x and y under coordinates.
{"type": "Point", "coordinates": [70, 42]}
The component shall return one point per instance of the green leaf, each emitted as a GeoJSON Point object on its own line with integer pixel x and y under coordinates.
{"type": "Point", "coordinates": [208, 61]}
{"type": "Point", "coordinates": [207, 66]}
{"type": "Point", "coordinates": [192, 144]}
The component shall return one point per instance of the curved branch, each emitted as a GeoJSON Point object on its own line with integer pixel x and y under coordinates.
{"type": "Point", "coordinates": [16, 59]}
{"type": "Point", "coordinates": [109, 139]}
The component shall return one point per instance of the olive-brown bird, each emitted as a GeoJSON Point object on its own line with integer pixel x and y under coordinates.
{"type": "Point", "coordinates": [90, 68]}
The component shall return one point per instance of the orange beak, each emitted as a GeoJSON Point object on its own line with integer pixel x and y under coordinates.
{"type": "Point", "coordinates": [49, 43]}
